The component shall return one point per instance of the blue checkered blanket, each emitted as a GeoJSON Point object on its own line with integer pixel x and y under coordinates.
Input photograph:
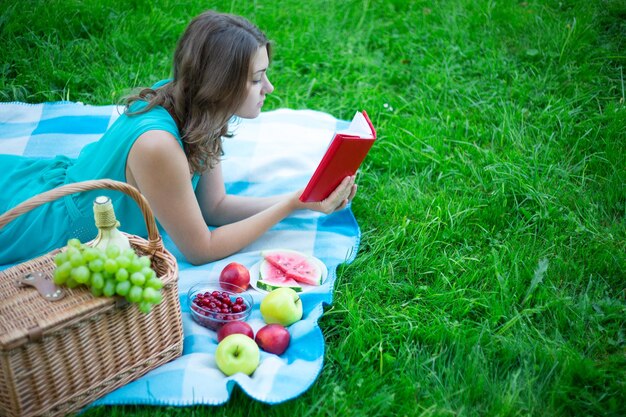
{"type": "Point", "coordinates": [272, 154]}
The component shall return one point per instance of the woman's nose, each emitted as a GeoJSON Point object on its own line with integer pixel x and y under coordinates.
{"type": "Point", "coordinates": [268, 87]}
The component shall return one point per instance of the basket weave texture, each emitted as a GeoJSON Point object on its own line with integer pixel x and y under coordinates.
{"type": "Point", "coordinates": [56, 357]}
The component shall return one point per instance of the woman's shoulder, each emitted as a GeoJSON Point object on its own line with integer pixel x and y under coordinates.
{"type": "Point", "coordinates": [158, 153]}
{"type": "Point", "coordinates": [157, 143]}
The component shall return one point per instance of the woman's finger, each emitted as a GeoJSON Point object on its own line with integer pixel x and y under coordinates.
{"type": "Point", "coordinates": [340, 192]}
{"type": "Point", "coordinates": [352, 192]}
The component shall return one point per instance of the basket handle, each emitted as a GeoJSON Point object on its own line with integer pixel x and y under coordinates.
{"type": "Point", "coordinates": [155, 243]}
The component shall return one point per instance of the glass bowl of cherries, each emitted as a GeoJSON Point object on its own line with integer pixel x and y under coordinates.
{"type": "Point", "coordinates": [212, 305]}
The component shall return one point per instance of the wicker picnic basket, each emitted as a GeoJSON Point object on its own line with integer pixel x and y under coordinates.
{"type": "Point", "coordinates": [56, 357]}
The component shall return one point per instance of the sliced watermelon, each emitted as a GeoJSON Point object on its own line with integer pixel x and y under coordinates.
{"type": "Point", "coordinates": [272, 278]}
{"type": "Point", "coordinates": [298, 266]}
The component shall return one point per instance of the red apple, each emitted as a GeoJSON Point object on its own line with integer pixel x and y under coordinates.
{"type": "Point", "coordinates": [273, 338]}
{"type": "Point", "coordinates": [235, 327]}
{"type": "Point", "coordinates": [235, 277]}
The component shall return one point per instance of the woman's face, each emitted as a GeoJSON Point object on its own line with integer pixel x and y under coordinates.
{"type": "Point", "coordinates": [258, 86]}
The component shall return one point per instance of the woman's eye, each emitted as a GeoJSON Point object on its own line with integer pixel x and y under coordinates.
{"type": "Point", "coordinates": [256, 81]}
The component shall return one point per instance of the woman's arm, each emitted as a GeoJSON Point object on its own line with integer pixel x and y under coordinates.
{"type": "Point", "coordinates": [219, 208]}
{"type": "Point", "coordinates": [157, 166]}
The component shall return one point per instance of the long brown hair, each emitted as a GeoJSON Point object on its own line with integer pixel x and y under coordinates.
{"type": "Point", "coordinates": [211, 73]}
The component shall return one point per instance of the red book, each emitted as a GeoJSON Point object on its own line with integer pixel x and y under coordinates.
{"type": "Point", "coordinates": [344, 155]}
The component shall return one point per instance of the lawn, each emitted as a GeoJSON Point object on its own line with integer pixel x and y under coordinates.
{"type": "Point", "coordinates": [491, 276]}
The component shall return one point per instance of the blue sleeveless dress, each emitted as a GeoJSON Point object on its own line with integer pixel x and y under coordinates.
{"type": "Point", "coordinates": [50, 226]}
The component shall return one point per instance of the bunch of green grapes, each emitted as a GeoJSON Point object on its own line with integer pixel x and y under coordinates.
{"type": "Point", "coordinates": [109, 272]}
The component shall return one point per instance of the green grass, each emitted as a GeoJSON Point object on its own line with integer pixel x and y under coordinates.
{"type": "Point", "coordinates": [491, 275]}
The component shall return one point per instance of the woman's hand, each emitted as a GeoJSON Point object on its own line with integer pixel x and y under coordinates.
{"type": "Point", "coordinates": [337, 200]}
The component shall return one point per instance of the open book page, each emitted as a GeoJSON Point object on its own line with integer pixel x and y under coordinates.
{"type": "Point", "coordinates": [358, 127]}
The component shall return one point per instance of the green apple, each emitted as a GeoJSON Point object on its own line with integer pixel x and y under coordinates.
{"type": "Point", "coordinates": [237, 353]}
{"type": "Point", "coordinates": [282, 306]}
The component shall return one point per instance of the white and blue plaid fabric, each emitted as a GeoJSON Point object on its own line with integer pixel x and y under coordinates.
{"type": "Point", "coordinates": [273, 154]}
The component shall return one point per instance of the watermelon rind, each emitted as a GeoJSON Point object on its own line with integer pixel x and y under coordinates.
{"type": "Point", "coordinates": [272, 277]}
{"type": "Point", "coordinates": [304, 269]}
{"type": "Point", "coordinates": [266, 286]}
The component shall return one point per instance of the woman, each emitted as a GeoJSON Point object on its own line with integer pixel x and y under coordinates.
{"type": "Point", "coordinates": [167, 144]}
